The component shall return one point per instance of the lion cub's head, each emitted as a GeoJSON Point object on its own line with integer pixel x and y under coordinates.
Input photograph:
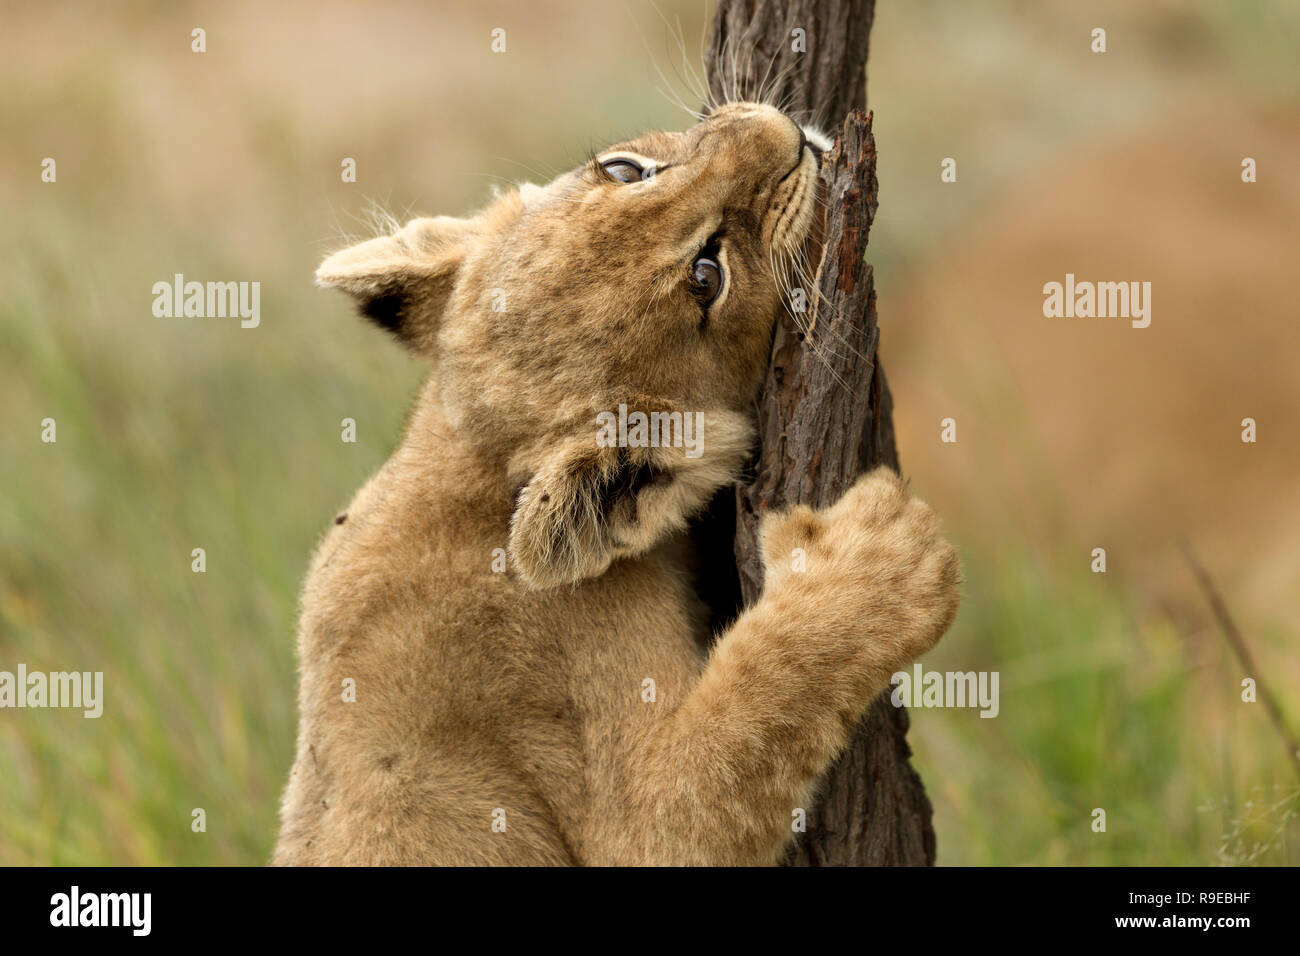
{"type": "Point", "coordinates": [648, 278]}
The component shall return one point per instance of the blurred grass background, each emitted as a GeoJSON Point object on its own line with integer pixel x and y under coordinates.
{"type": "Point", "coordinates": [1116, 690]}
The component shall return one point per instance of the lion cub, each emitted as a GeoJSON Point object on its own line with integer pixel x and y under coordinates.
{"type": "Point", "coordinates": [498, 640]}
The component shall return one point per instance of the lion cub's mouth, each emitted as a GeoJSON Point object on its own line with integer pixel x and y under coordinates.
{"type": "Point", "coordinates": [793, 205]}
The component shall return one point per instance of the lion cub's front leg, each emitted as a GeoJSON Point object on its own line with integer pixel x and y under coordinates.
{"type": "Point", "coordinates": [852, 594]}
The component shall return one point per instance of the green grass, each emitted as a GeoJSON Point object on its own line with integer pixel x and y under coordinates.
{"type": "Point", "coordinates": [192, 436]}
{"type": "Point", "coordinates": [1100, 708]}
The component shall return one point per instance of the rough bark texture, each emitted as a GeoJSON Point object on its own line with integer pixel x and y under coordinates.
{"type": "Point", "coordinates": [752, 50]}
{"type": "Point", "coordinates": [824, 413]}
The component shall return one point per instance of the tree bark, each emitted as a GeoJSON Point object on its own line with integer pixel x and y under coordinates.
{"type": "Point", "coordinates": [825, 409]}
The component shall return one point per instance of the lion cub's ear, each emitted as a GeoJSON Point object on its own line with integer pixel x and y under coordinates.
{"type": "Point", "coordinates": [401, 282]}
{"type": "Point", "coordinates": [586, 505]}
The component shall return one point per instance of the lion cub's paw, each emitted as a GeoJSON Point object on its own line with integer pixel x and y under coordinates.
{"type": "Point", "coordinates": [874, 560]}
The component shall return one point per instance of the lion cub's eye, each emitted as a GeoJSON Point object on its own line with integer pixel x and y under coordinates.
{"type": "Point", "coordinates": [623, 170]}
{"type": "Point", "coordinates": [706, 279]}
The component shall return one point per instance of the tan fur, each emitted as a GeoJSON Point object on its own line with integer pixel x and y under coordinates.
{"type": "Point", "coordinates": [521, 696]}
